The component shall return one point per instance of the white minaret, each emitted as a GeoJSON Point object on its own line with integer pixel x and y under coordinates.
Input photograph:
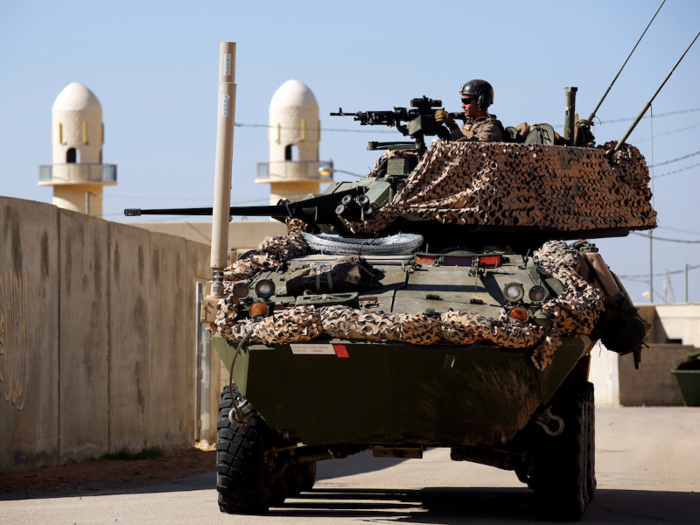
{"type": "Point", "coordinates": [77, 135]}
{"type": "Point", "coordinates": [294, 135]}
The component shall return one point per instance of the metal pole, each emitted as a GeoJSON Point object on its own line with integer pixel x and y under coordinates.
{"type": "Point", "coordinates": [634, 125]}
{"type": "Point", "coordinates": [570, 115]}
{"type": "Point", "coordinates": [686, 283]}
{"type": "Point", "coordinates": [651, 270]}
{"type": "Point", "coordinates": [224, 164]}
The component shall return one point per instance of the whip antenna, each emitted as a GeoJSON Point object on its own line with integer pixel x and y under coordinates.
{"type": "Point", "coordinates": [590, 119]}
{"type": "Point", "coordinates": [636, 121]}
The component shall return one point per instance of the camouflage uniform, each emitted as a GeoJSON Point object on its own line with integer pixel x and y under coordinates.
{"type": "Point", "coordinates": [484, 129]}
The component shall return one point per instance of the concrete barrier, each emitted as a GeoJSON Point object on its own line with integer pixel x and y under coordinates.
{"type": "Point", "coordinates": [29, 312]}
{"type": "Point", "coordinates": [97, 336]}
{"type": "Point", "coordinates": [653, 384]}
{"type": "Point", "coordinates": [243, 235]}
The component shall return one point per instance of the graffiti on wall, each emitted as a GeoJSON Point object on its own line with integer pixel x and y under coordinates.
{"type": "Point", "coordinates": [13, 338]}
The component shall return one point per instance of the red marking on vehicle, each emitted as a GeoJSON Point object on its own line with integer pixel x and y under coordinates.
{"type": "Point", "coordinates": [492, 260]}
{"type": "Point", "coordinates": [341, 351]}
{"type": "Point", "coordinates": [425, 260]}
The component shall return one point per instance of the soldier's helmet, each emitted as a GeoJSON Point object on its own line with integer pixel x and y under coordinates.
{"type": "Point", "coordinates": [480, 89]}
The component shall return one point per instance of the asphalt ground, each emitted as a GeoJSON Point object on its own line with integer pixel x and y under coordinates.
{"type": "Point", "coordinates": [647, 462]}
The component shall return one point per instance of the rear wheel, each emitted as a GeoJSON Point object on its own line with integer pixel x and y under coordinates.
{"type": "Point", "coordinates": [308, 475]}
{"type": "Point", "coordinates": [564, 476]}
{"type": "Point", "coordinates": [301, 478]}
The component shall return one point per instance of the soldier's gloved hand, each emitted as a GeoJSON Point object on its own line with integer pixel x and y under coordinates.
{"type": "Point", "coordinates": [443, 117]}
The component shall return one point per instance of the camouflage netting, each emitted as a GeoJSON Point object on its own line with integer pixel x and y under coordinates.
{"type": "Point", "coordinates": [575, 312]}
{"type": "Point", "coordinates": [499, 184]}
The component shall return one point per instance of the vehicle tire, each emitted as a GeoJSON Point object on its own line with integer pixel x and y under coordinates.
{"type": "Point", "coordinates": [295, 480]}
{"type": "Point", "coordinates": [308, 475]}
{"type": "Point", "coordinates": [241, 478]}
{"type": "Point", "coordinates": [591, 479]}
{"type": "Point", "coordinates": [563, 471]}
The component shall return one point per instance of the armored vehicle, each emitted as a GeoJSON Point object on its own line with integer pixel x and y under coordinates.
{"type": "Point", "coordinates": [434, 303]}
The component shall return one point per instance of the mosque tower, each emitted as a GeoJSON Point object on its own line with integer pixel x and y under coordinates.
{"type": "Point", "coordinates": [294, 133]}
{"type": "Point", "coordinates": [77, 135]}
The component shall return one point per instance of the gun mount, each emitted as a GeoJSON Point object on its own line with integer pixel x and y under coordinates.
{"type": "Point", "coordinates": [419, 119]}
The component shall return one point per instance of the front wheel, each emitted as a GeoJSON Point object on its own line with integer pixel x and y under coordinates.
{"type": "Point", "coordinates": [564, 477]}
{"type": "Point", "coordinates": [241, 478]}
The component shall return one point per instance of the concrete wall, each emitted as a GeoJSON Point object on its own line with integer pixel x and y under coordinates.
{"type": "Point", "coordinates": [604, 375]}
{"type": "Point", "coordinates": [243, 235]}
{"type": "Point", "coordinates": [29, 357]}
{"type": "Point", "coordinates": [677, 322]}
{"type": "Point", "coordinates": [97, 336]}
{"type": "Point", "coordinates": [653, 384]}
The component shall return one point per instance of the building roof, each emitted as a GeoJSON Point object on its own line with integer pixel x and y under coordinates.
{"type": "Point", "coordinates": [293, 93]}
{"type": "Point", "coordinates": [75, 97]}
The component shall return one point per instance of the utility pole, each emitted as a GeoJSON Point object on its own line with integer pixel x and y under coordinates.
{"type": "Point", "coordinates": [686, 283]}
{"type": "Point", "coordinates": [651, 269]}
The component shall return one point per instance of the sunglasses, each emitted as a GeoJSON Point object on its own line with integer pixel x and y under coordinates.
{"type": "Point", "coordinates": [467, 101]}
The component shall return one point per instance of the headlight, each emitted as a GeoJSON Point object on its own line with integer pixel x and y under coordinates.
{"type": "Point", "coordinates": [257, 309]}
{"type": "Point", "coordinates": [513, 292]}
{"type": "Point", "coordinates": [240, 290]}
{"type": "Point", "coordinates": [265, 288]}
{"type": "Point", "coordinates": [537, 294]}
{"type": "Point", "coordinates": [518, 313]}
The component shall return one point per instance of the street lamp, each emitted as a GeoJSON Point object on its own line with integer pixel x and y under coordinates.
{"type": "Point", "coordinates": [328, 171]}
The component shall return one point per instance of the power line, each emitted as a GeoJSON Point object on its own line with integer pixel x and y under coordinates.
{"type": "Point", "coordinates": [670, 132]}
{"type": "Point", "coordinates": [678, 229]}
{"type": "Point", "coordinates": [676, 160]}
{"type": "Point", "coordinates": [655, 116]}
{"type": "Point", "coordinates": [257, 199]}
{"type": "Point", "coordinates": [344, 130]}
{"type": "Point", "coordinates": [676, 171]}
{"type": "Point", "coordinates": [633, 277]}
{"type": "Point", "coordinates": [240, 125]}
{"type": "Point", "coordinates": [667, 240]}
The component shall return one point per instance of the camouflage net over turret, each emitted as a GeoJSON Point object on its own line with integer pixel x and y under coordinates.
{"type": "Point", "coordinates": [500, 184]}
{"type": "Point", "coordinates": [574, 312]}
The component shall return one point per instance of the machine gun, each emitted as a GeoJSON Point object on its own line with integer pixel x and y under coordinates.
{"type": "Point", "coordinates": [420, 119]}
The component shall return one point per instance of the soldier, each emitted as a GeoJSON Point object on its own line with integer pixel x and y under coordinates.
{"type": "Point", "coordinates": [479, 125]}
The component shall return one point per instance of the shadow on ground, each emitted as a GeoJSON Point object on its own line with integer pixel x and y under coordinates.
{"type": "Point", "coordinates": [453, 505]}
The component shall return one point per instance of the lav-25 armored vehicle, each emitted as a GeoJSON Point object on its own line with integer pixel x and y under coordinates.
{"type": "Point", "coordinates": [433, 303]}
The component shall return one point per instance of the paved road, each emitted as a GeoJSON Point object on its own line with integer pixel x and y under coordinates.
{"type": "Point", "coordinates": [648, 464]}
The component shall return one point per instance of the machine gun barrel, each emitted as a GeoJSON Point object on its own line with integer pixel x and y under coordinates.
{"type": "Point", "coordinates": [419, 118]}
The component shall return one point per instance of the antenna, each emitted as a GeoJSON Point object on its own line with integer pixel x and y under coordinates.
{"type": "Point", "coordinates": [590, 119]}
{"type": "Point", "coordinates": [648, 104]}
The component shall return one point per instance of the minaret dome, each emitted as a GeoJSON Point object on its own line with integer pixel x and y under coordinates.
{"type": "Point", "coordinates": [294, 134]}
{"type": "Point", "coordinates": [77, 136]}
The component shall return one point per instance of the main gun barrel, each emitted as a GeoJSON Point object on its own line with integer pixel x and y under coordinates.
{"type": "Point", "coordinates": [254, 211]}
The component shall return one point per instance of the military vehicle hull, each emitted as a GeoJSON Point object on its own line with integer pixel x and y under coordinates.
{"type": "Point", "coordinates": [397, 394]}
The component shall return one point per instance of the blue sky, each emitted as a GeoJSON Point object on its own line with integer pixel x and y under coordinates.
{"type": "Point", "coordinates": [153, 65]}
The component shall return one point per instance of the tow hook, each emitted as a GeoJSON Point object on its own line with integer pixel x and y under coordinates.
{"type": "Point", "coordinates": [543, 417]}
{"type": "Point", "coordinates": [242, 409]}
